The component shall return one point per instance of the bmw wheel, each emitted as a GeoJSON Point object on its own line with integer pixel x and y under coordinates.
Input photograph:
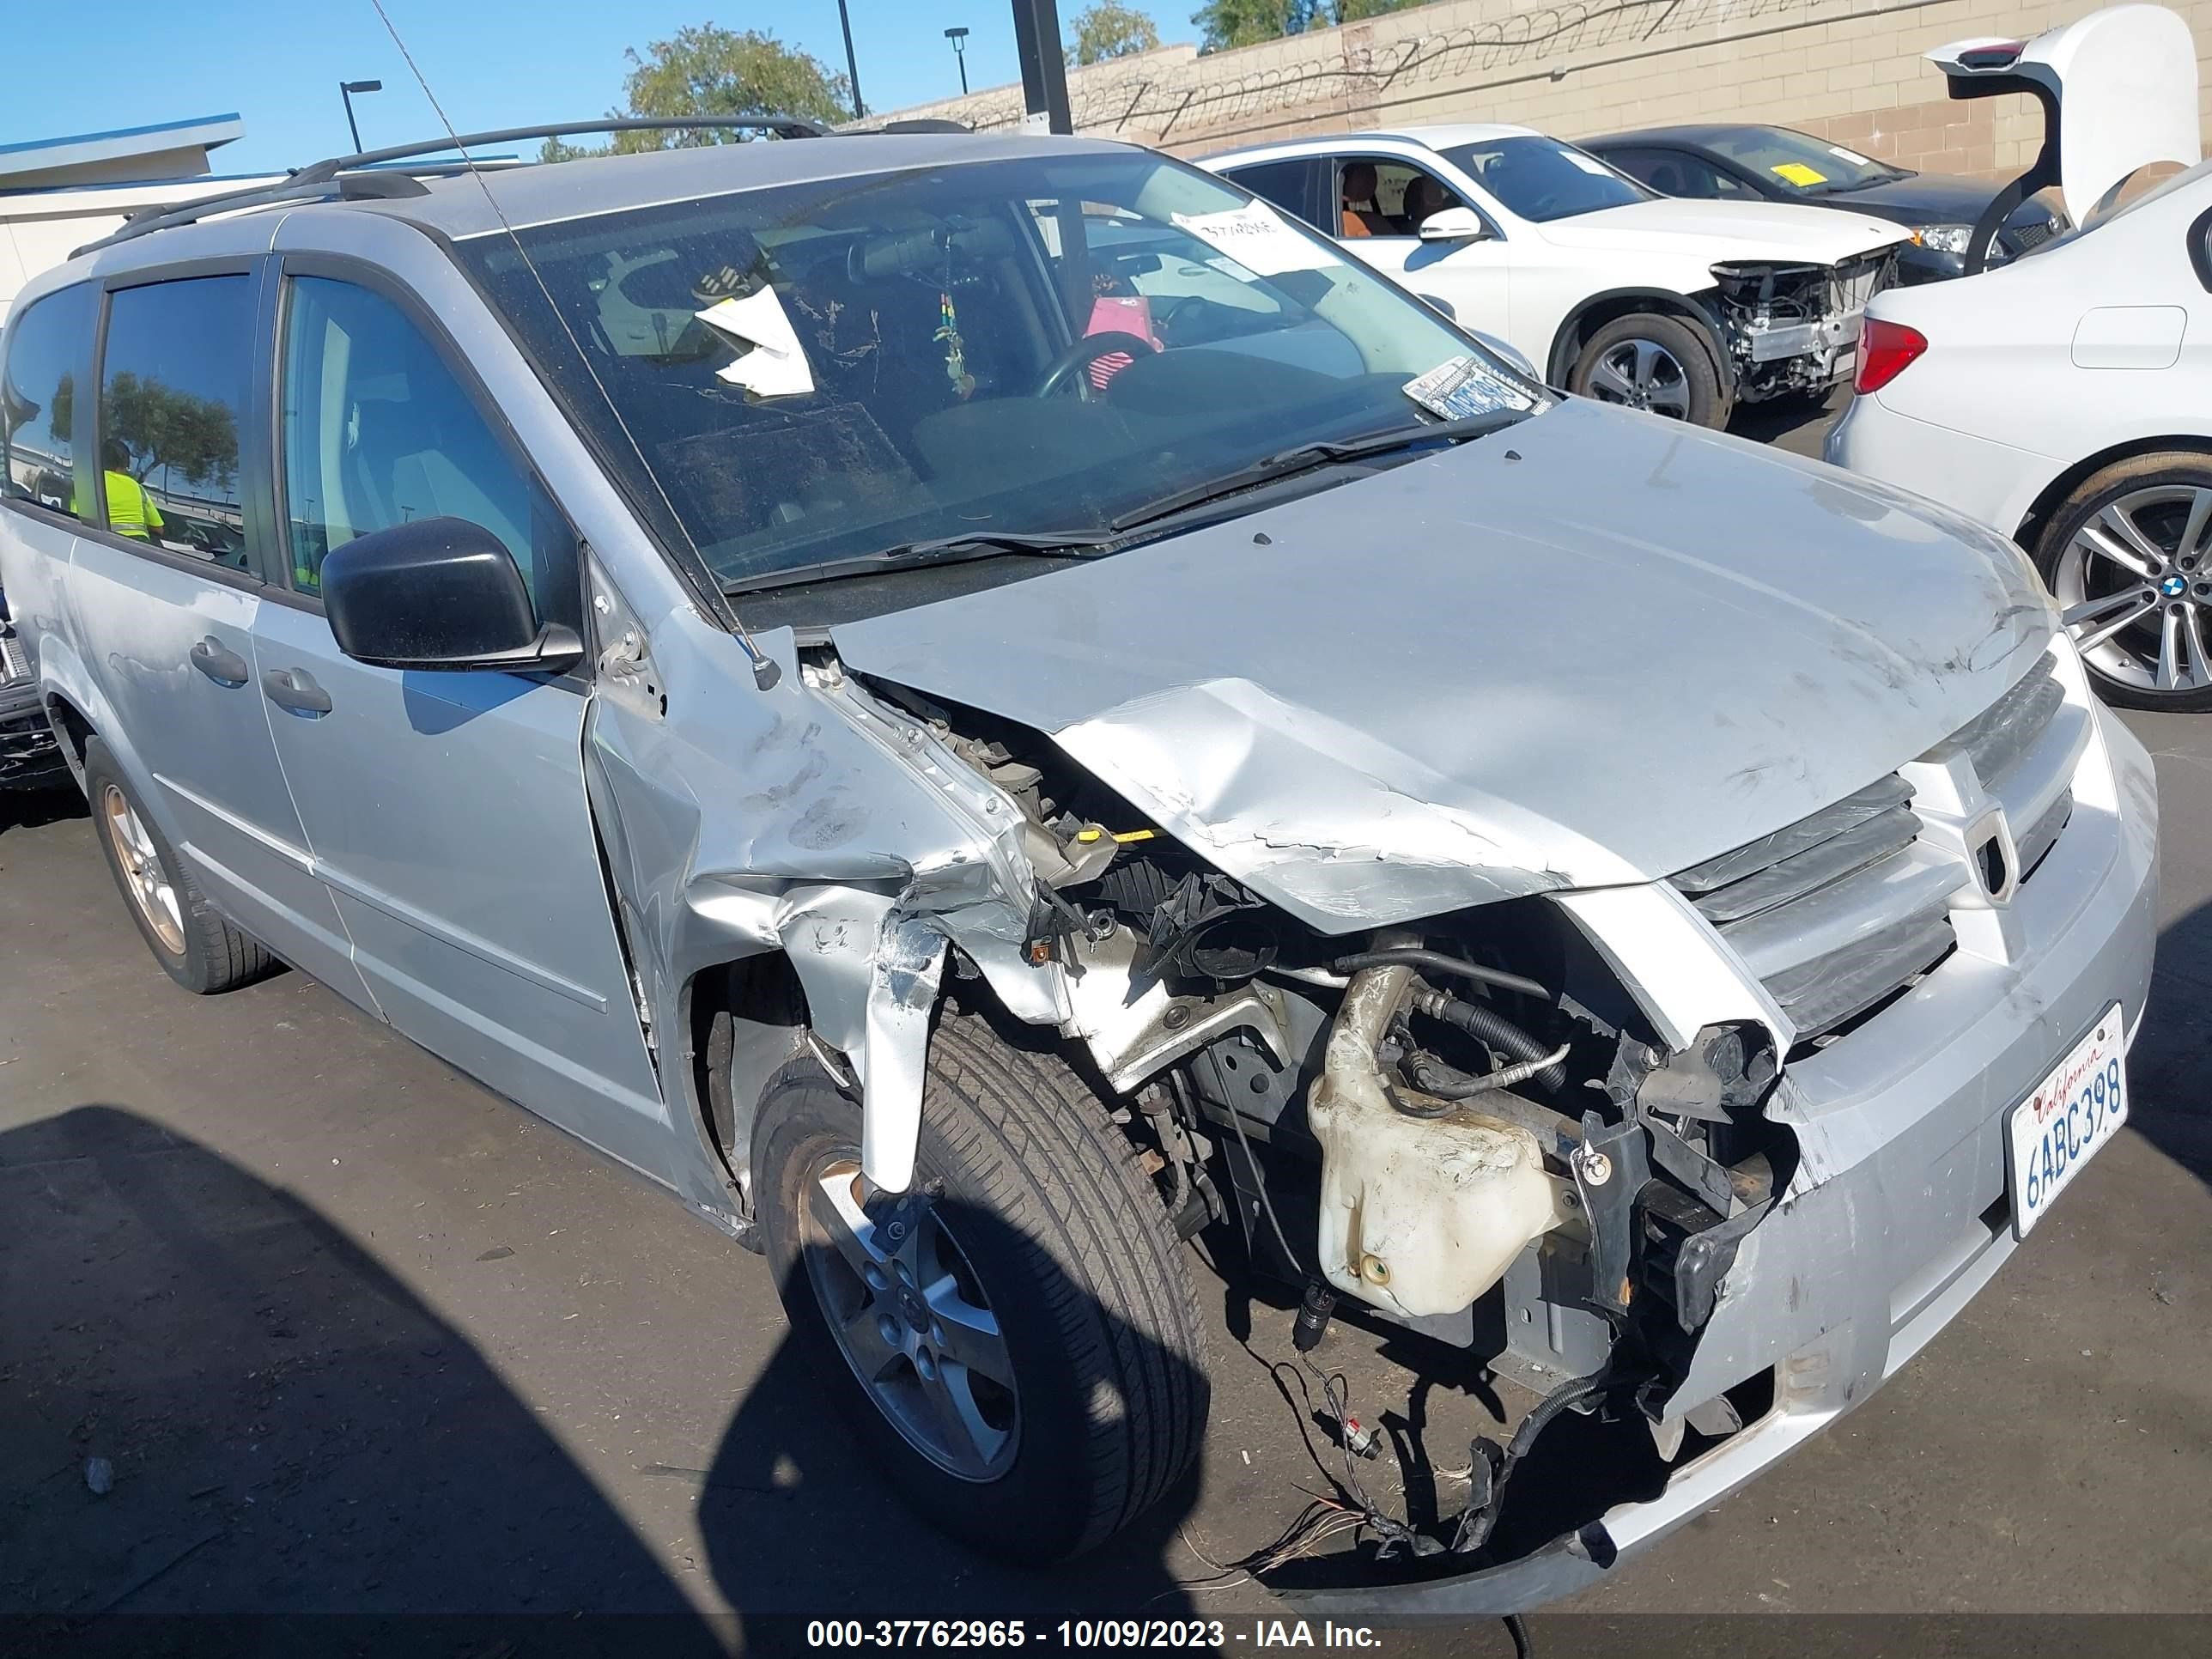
{"type": "Point", "coordinates": [2128, 558]}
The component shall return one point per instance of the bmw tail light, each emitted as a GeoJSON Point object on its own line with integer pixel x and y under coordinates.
{"type": "Point", "coordinates": [1885, 351]}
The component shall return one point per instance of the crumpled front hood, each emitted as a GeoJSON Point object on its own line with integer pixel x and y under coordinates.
{"type": "Point", "coordinates": [1597, 647]}
{"type": "Point", "coordinates": [1728, 233]}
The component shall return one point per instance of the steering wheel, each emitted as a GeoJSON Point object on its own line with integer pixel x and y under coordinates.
{"type": "Point", "coordinates": [1084, 353]}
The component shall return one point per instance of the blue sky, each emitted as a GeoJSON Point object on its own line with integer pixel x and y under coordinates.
{"type": "Point", "coordinates": [492, 63]}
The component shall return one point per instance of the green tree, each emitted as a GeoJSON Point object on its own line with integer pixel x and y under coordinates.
{"type": "Point", "coordinates": [194, 439]}
{"type": "Point", "coordinates": [1224, 23]}
{"type": "Point", "coordinates": [708, 70]}
{"type": "Point", "coordinates": [1110, 29]}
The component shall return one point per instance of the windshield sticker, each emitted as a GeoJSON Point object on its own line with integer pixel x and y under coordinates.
{"type": "Point", "coordinates": [1469, 386]}
{"type": "Point", "coordinates": [1798, 174]}
{"type": "Point", "coordinates": [777, 367]}
{"type": "Point", "coordinates": [1589, 164]}
{"type": "Point", "coordinates": [1850, 155]}
{"type": "Point", "coordinates": [1258, 240]}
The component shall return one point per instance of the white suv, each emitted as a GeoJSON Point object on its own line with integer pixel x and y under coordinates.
{"type": "Point", "coordinates": [1685, 309]}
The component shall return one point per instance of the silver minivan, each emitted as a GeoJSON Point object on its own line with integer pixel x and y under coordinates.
{"type": "Point", "coordinates": [981, 707]}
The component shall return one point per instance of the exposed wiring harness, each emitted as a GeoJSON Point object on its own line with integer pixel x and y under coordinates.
{"type": "Point", "coordinates": [1491, 1468]}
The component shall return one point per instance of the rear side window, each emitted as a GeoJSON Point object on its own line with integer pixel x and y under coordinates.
{"type": "Point", "coordinates": [173, 392]}
{"type": "Point", "coordinates": [378, 432]}
{"type": "Point", "coordinates": [1678, 173]}
{"type": "Point", "coordinates": [1283, 182]}
{"type": "Point", "coordinates": [38, 399]}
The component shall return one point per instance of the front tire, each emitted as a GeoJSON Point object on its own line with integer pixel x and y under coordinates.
{"type": "Point", "coordinates": [195, 946]}
{"type": "Point", "coordinates": [1016, 1340]}
{"type": "Point", "coordinates": [2128, 558]}
{"type": "Point", "coordinates": [1648, 362]}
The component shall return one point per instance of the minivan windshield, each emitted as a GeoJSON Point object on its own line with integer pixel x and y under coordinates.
{"type": "Point", "coordinates": [815, 374]}
{"type": "Point", "coordinates": [1542, 179]}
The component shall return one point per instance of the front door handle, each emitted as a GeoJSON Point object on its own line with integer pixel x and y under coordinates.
{"type": "Point", "coordinates": [226, 668]}
{"type": "Point", "coordinates": [296, 689]}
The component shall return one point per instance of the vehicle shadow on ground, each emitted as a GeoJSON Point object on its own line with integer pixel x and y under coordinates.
{"type": "Point", "coordinates": [216, 1402]}
{"type": "Point", "coordinates": [2172, 1053]}
{"type": "Point", "coordinates": [31, 809]}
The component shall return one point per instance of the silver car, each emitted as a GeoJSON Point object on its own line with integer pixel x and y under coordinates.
{"type": "Point", "coordinates": [979, 707]}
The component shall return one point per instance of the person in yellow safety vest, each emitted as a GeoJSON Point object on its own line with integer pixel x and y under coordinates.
{"type": "Point", "coordinates": [131, 510]}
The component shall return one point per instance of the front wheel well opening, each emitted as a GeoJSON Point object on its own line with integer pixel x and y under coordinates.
{"type": "Point", "coordinates": [746, 1020]}
{"type": "Point", "coordinates": [1610, 308]}
{"type": "Point", "coordinates": [2055, 493]}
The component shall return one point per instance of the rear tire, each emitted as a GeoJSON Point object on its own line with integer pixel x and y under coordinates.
{"type": "Point", "coordinates": [195, 946]}
{"type": "Point", "coordinates": [1655, 363]}
{"type": "Point", "coordinates": [2128, 556]}
{"type": "Point", "coordinates": [1051, 1260]}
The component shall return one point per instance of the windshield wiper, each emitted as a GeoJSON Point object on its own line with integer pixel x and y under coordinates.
{"type": "Point", "coordinates": [934, 549]}
{"type": "Point", "coordinates": [1072, 542]}
{"type": "Point", "coordinates": [1303, 457]}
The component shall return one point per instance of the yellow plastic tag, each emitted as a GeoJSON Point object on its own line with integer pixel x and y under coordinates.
{"type": "Point", "coordinates": [1797, 172]}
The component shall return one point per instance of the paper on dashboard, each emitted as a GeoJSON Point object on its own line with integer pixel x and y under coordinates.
{"type": "Point", "coordinates": [777, 365]}
{"type": "Point", "coordinates": [1256, 238]}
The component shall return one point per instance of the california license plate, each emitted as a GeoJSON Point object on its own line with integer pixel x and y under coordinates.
{"type": "Point", "coordinates": [2071, 1114]}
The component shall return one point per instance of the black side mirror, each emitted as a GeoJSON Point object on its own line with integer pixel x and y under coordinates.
{"type": "Point", "coordinates": [438, 593]}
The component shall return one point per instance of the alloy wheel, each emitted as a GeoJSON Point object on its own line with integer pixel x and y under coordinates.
{"type": "Point", "coordinates": [1643, 374]}
{"type": "Point", "coordinates": [143, 878]}
{"type": "Point", "coordinates": [2134, 585]}
{"type": "Point", "coordinates": [906, 1308]}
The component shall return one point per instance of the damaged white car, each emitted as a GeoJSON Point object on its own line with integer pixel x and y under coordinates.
{"type": "Point", "coordinates": [979, 707]}
{"type": "Point", "coordinates": [1682, 308]}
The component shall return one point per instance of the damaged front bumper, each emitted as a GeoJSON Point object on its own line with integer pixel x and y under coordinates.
{"type": "Point", "coordinates": [1899, 1214]}
{"type": "Point", "coordinates": [1795, 328]}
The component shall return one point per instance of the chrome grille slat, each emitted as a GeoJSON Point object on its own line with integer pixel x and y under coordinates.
{"type": "Point", "coordinates": [1845, 908]}
{"type": "Point", "coordinates": [1995, 740]}
{"type": "Point", "coordinates": [1794, 880]}
{"type": "Point", "coordinates": [1788, 842]}
{"type": "Point", "coordinates": [2046, 771]}
{"type": "Point", "coordinates": [1842, 918]}
{"type": "Point", "coordinates": [2043, 834]}
{"type": "Point", "coordinates": [1824, 994]}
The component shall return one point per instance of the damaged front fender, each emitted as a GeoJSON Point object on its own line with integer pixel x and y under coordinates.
{"type": "Point", "coordinates": [789, 833]}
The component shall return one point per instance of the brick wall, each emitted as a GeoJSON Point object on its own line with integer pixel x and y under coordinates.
{"type": "Point", "coordinates": [1849, 71]}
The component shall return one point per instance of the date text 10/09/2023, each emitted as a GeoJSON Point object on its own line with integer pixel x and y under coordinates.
{"type": "Point", "coordinates": [1213, 1635]}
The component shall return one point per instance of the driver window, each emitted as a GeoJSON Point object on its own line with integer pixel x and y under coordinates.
{"type": "Point", "coordinates": [377, 431]}
{"type": "Point", "coordinates": [1380, 195]}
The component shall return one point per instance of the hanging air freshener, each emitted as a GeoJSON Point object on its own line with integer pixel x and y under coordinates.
{"type": "Point", "coordinates": [956, 359]}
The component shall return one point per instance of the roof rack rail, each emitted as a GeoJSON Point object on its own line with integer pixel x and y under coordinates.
{"type": "Point", "coordinates": [783, 126]}
{"type": "Point", "coordinates": [341, 177]}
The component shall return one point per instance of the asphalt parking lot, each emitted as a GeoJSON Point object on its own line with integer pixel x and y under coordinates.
{"type": "Point", "coordinates": [352, 1335]}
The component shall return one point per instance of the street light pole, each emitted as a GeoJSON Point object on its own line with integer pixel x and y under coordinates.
{"type": "Point", "coordinates": [959, 40]}
{"type": "Point", "coordinates": [851, 64]}
{"type": "Point", "coordinates": [346, 90]}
